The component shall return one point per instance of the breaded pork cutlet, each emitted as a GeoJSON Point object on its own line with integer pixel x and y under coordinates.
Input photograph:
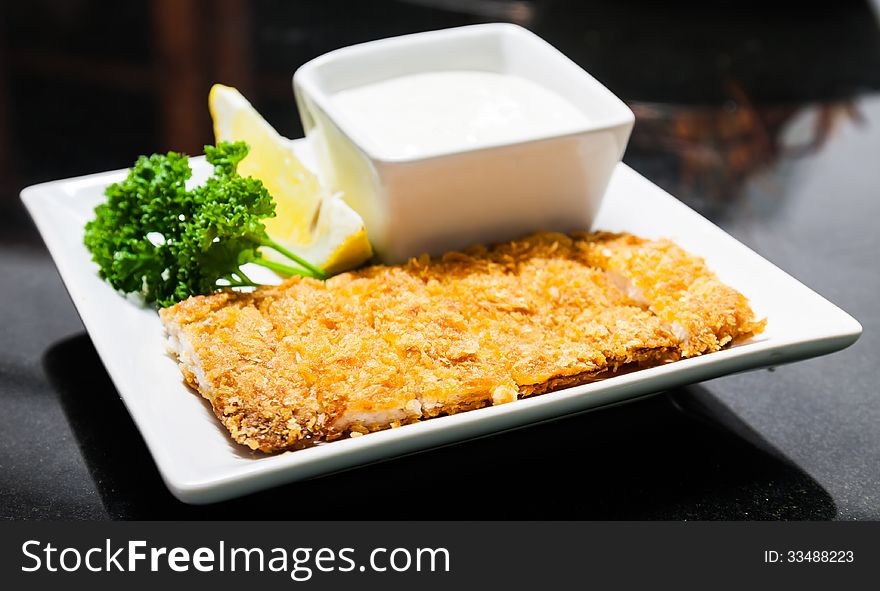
{"type": "Point", "coordinates": [389, 345]}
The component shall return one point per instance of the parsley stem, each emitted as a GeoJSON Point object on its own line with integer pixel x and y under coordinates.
{"type": "Point", "coordinates": [315, 271]}
{"type": "Point", "coordinates": [282, 268]}
{"type": "Point", "coordinates": [233, 280]}
{"type": "Point", "coordinates": [239, 273]}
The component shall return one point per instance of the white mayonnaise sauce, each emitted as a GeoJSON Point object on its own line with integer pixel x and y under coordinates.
{"type": "Point", "coordinates": [437, 112]}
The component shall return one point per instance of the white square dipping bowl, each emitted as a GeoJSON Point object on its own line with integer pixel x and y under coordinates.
{"type": "Point", "coordinates": [449, 200]}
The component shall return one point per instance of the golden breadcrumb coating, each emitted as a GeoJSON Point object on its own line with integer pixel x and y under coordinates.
{"type": "Point", "coordinates": [679, 288]}
{"type": "Point", "coordinates": [389, 345]}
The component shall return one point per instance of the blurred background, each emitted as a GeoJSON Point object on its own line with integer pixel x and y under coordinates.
{"type": "Point", "coordinates": [721, 90]}
{"type": "Point", "coordinates": [762, 115]}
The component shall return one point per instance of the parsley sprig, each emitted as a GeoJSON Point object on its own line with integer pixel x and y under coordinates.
{"type": "Point", "coordinates": [155, 238]}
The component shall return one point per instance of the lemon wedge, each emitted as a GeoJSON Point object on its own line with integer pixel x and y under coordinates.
{"type": "Point", "coordinates": [320, 228]}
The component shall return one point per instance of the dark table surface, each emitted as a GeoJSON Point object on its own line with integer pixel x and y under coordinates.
{"type": "Point", "coordinates": [764, 119]}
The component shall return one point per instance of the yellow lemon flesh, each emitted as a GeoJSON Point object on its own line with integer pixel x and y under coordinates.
{"type": "Point", "coordinates": [322, 229]}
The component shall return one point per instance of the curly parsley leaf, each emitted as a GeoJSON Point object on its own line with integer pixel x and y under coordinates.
{"type": "Point", "coordinates": [155, 238]}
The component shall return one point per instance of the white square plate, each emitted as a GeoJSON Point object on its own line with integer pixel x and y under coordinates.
{"type": "Point", "coordinates": [201, 464]}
